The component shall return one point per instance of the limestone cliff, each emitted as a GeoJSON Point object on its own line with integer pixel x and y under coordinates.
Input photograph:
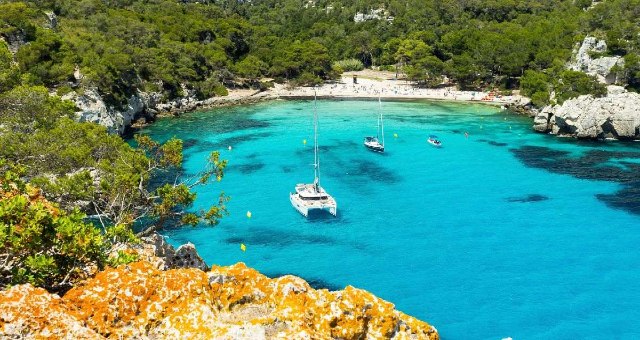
{"type": "Point", "coordinates": [234, 302]}
{"type": "Point", "coordinates": [601, 67]}
{"type": "Point", "coordinates": [615, 116]}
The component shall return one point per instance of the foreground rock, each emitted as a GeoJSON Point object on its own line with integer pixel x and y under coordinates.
{"type": "Point", "coordinates": [615, 116]}
{"type": "Point", "coordinates": [235, 302]}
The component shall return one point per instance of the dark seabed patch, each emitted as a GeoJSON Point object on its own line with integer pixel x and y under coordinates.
{"type": "Point", "coordinates": [279, 239]}
{"type": "Point", "coordinates": [248, 168]}
{"type": "Point", "coordinates": [372, 171]}
{"type": "Point", "coordinates": [491, 142]}
{"type": "Point", "coordinates": [628, 198]}
{"type": "Point", "coordinates": [592, 165]}
{"type": "Point", "coordinates": [189, 142]}
{"type": "Point", "coordinates": [287, 169]}
{"type": "Point", "coordinates": [355, 172]}
{"type": "Point", "coordinates": [528, 198]}
{"type": "Point", "coordinates": [314, 282]}
{"type": "Point", "coordinates": [233, 141]}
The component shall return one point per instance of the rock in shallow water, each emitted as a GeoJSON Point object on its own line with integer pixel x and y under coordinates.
{"type": "Point", "coordinates": [617, 116]}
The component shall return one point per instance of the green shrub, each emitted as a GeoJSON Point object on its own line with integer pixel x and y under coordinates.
{"type": "Point", "coordinates": [64, 89]}
{"type": "Point", "coordinates": [43, 245]}
{"type": "Point", "coordinates": [347, 65]}
{"type": "Point", "coordinates": [572, 84]}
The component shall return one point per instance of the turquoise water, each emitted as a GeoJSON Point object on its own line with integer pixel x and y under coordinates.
{"type": "Point", "coordinates": [504, 233]}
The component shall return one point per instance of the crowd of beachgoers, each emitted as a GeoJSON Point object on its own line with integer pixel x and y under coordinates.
{"type": "Point", "coordinates": [371, 84]}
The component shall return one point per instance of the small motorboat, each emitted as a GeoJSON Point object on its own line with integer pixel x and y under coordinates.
{"type": "Point", "coordinates": [433, 140]}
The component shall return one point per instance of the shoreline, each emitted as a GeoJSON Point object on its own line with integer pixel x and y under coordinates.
{"type": "Point", "coordinates": [366, 88]}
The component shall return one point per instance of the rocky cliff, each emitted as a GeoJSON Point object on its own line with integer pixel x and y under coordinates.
{"type": "Point", "coordinates": [615, 116]}
{"type": "Point", "coordinates": [140, 300]}
{"type": "Point", "coordinates": [143, 106]}
{"type": "Point", "coordinates": [601, 66]}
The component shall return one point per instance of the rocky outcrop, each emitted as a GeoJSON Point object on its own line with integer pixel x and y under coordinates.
{"type": "Point", "coordinates": [92, 108]}
{"type": "Point", "coordinates": [15, 39]}
{"type": "Point", "coordinates": [615, 116]}
{"type": "Point", "coordinates": [234, 302]}
{"type": "Point", "coordinates": [599, 67]}
{"type": "Point", "coordinates": [155, 250]}
{"type": "Point", "coordinates": [142, 106]}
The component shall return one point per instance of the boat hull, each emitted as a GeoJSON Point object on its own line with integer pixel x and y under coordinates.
{"type": "Point", "coordinates": [373, 144]}
{"type": "Point", "coordinates": [374, 148]}
{"type": "Point", "coordinates": [305, 209]}
{"type": "Point", "coordinates": [437, 145]}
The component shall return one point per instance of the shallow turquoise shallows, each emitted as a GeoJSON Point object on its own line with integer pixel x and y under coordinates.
{"type": "Point", "coordinates": [506, 233]}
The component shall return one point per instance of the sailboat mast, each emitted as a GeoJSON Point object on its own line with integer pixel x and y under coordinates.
{"type": "Point", "coordinates": [381, 122]}
{"type": "Point", "coordinates": [316, 157]}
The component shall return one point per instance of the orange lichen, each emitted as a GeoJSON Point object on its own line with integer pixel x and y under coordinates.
{"type": "Point", "coordinates": [139, 300]}
{"type": "Point", "coordinates": [28, 312]}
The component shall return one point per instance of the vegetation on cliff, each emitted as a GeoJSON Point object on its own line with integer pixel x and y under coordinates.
{"type": "Point", "coordinates": [82, 168]}
{"type": "Point", "coordinates": [161, 45]}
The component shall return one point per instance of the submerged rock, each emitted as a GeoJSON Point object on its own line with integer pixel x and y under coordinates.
{"type": "Point", "coordinates": [234, 302]}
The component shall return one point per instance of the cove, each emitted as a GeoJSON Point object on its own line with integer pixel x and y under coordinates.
{"type": "Point", "coordinates": [504, 233]}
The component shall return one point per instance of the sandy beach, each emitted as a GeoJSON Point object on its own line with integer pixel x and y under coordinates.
{"type": "Point", "coordinates": [370, 84]}
{"type": "Point", "coordinates": [373, 84]}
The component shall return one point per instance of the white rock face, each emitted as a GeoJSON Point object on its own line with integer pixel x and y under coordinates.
{"type": "Point", "coordinates": [615, 116]}
{"type": "Point", "coordinates": [92, 108]}
{"type": "Point", "coordinates": [599, 67]}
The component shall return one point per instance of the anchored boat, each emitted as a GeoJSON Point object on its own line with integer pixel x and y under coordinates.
{"type": "Point", "coordinates": [373, 143]}
{"type": "Point", "coordinates": [310, 197]}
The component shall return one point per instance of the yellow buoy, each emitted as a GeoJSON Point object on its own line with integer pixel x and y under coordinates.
{"type": "Point", "coordinates": [304, 141]}
{"type": "Point", "coordinates": [395, 135]}
{"type": "Point", "coordinates": [219, 178]}
{"type": "Point", "coordinates": [243, 247]}
{"type": "Point", "coordinates": [248, 214]}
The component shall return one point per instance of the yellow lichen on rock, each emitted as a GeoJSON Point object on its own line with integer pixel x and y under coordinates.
{"type": "Point", "coordinates": [234, 302]}
{"type": "Point", "coordinates": [28, 312]}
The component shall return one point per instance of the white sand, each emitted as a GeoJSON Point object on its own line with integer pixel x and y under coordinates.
{"type": "Point", "coordinates": [371, 84]}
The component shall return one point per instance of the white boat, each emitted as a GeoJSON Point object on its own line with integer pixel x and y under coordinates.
{"type": "Point", "coordinates": [373, 143]}
{"type": "Point", "coordinates": [312, 197]}
{"type": "Point", "coordinates": [433, 140]}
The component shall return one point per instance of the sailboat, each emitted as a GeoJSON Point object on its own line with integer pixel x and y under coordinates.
{"type": "Point", "coordinates": [311, 197]}
{"type": "Point", "coordinates": [373, 143]}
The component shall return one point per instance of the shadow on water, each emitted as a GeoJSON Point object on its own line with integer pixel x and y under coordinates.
{"type": "Point", "coordinates": [314, 282]}
{"type": "Point", "coordinates": [592, 165]}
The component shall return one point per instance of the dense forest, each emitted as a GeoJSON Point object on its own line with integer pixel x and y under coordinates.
{"type": "Point", "coordinates": [55, 171]}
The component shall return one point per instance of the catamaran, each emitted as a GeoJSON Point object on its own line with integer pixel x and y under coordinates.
{"type": "Point", "coordinates": [311, 197]}
{"type": "Point", "coordinates": [373, 143]}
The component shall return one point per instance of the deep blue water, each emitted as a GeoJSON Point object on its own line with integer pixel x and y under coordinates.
{"type": "Point", "coordinates": [503, 233]}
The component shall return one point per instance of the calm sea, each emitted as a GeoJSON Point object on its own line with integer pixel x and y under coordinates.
{"type": "Point", "coordinates": [504, 233]}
